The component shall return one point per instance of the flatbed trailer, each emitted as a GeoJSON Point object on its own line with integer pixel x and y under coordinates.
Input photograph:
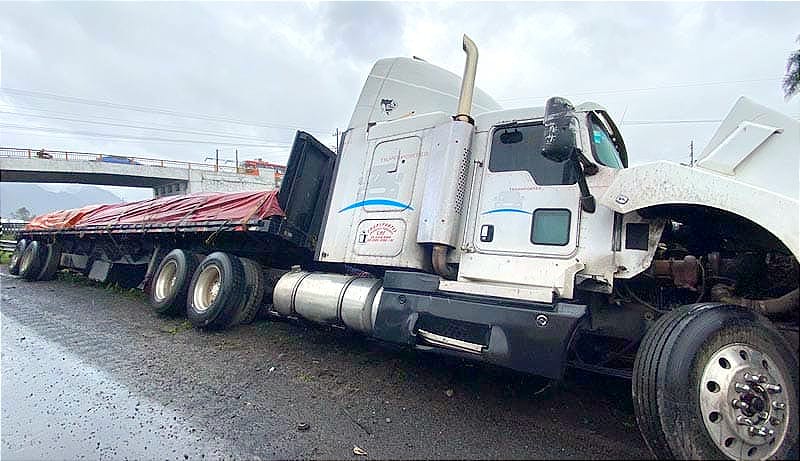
{"type": "Point", "coordinates": [520, 238]}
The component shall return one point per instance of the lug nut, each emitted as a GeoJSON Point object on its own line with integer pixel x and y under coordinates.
{"type": "Point", "coordinates": [740, 404]}
{"type": "Point", "coordinates": [753, 378]}
{"type": "Point", "coordinates": [763, 415]}
{"type": "Point", "coordinates": [763, 431]}
{"type": "Point", "coordinates": [778, 405]}
{"type": "Point", "coordinates": [773, 388]}
{"type": "Point", "coordinates": [744, 421]}
{"type": "Point", "coordinates": [775, 421]}
{"type": "Point", "coordinates": [742, 387]}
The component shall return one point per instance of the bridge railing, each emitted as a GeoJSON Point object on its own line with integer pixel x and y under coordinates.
{"type": "Point", "coordinates": [45, 154]}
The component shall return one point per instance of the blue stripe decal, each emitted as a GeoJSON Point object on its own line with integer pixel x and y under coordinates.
{"type": "Point", "coordinates": [378, 201]}
{"type": "Point", "coordinates": [506, 210]}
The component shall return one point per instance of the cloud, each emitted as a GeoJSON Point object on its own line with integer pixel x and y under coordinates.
{"type": "Point", "coordinates": [302, 64]}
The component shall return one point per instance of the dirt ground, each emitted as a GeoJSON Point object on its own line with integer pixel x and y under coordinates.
{"type": "Point", "coordinates": [93, 373]}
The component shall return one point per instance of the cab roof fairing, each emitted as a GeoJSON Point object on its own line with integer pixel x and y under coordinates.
{"type": "Point", "coordinates": [400, 87]}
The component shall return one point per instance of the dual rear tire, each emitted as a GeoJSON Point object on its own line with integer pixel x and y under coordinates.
{"type": "Point", "coordinates": [35, 260]}
{"type": "Point", "coordinates": [171, 282]}
{"type": "Point", "coordinates": [220, 291]}
{"type": "Point", "coordinates": [16, 257]}
{"type": "Point", "coordinates": [216, 291]}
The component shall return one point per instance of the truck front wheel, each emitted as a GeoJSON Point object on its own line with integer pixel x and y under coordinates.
{"type": "Point", "coordinates": [714, 381]}
{"type": "Point", "coordinates": [171, 282]}
{"type": "Point", "coordinates": [216, 292]}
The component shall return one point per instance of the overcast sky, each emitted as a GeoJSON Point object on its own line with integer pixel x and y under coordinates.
{"type": "Point", "coordinates": [277, 67]}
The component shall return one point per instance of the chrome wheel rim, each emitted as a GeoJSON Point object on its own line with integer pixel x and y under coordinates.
{"type": "Point", "coordinates": [743, 399]}
{"type": "Point", "coordinates": [165, 283]}
{"type": "Point", "coordinates": [207, 288]}
{"type": "Point", "coordinates": [27, 259]}
{"type": "Point", "coordinates": [14, 258]}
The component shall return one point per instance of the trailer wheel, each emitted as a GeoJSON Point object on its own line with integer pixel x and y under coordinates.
{"type": "Point", "coordinates": [254, 276]}
{"type": "Point", "coordinates": [216, 292]}
{"type": "Point", "coordinates": [714, 381]}
{"type": "Point", "coordinates": [171, 282]}
{"type": "Point", "coordinates": [16, 257]}
{"type": "Point", "coordinates": [32, 260]}
{"type": "Point", "coordinates": [52, 261]}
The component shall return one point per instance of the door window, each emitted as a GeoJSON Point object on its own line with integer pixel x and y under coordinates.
{"type": "Point", "coordinates": [520, 149]}
{"type": "Point", "coordinates": [550, 227]}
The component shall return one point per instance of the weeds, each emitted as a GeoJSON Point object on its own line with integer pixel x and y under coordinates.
{"type": "Point", "coordinates": [77, 279]}
{"type": "Point", "coordinates": [179, 328]}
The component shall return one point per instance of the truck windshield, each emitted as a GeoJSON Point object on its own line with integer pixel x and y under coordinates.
{"type": "Point", "coordinates": [603, 148]}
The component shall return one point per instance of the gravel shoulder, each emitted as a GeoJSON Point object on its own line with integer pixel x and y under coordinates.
{"type": "Point", "coordinates": [242, 393]}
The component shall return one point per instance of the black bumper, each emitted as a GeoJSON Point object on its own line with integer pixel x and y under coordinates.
{"type": "Point", "coordinates": [524, 336]}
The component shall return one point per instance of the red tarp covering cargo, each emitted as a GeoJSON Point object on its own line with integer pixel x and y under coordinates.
{"type": "Point", "coordinates": [239, 207]}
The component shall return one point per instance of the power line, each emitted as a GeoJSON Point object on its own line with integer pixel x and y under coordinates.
{"type": "Point", "coordinates": [668, 122]}
{"type": "Point", "coordinates": [139, 127]}
{"type": "Point", "coordinates": [157, 110]}
{"type": "Point", "coordinates": [107, 136]}
{"type": "Point", "coordinates": [652, 88]}
{"type": "Point", "coordinates": [114, 119]}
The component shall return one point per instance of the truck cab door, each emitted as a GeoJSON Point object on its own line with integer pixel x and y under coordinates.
{"type": "Point", "coordinates": [524, 217]}
{"type": "Point", "coordinates": [528, 205]}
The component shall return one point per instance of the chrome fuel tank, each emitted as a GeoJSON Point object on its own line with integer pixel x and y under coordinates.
{"type": "Point", "coordinates": [329, 298]}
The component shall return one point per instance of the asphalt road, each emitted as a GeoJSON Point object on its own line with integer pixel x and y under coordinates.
{"type": "Point", "coordinates": [88, 372]}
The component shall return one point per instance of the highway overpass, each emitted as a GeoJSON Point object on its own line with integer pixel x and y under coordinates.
{"type": "Point", "coordinates": [165, 177]}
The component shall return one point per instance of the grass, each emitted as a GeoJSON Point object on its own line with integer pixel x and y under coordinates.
{"type": "Point", "coordinates": [5, 256]}
{"type": "Point", "coordinates": [179, 328]}
{"type": "Point", "coordinates": [78, 279]}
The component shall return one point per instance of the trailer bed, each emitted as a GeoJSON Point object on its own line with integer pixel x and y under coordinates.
{"type": "Point", "coordinates": [292, 215]}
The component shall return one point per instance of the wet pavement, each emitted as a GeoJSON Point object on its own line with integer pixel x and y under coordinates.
{"type": "Point", "coordinates": [89, 372]}
{"type": "Point", "coordinates": [57, 406]}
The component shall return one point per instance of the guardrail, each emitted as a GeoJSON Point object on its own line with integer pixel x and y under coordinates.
{"type": "Point", "coordinates": [44, 154]}
{"type": "Point", "coordinates": [11, 227]}
{"type": "Point", "coordinates": [8, 245]}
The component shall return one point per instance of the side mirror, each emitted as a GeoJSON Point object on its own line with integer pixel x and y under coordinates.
{"type": "Point", "coordinates": [559, 145]}
{"type": "Point", "coordinates": [559, 134]}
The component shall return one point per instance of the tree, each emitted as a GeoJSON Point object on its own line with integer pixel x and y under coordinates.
{"type": "Point", "coordinates": [22, 213]}
{"type": "Point", "coordinates": [791, 82]}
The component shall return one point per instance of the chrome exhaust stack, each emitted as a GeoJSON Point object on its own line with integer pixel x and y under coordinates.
{"type": "Point", "coordinates": [467, 81]}
{"type": "Point", "coordinates": [444, 189]}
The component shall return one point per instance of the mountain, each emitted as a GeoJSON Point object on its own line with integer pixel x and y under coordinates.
{"type": "Point", "coordinates": [39, 200]}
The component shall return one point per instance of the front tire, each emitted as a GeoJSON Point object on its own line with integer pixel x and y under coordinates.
{"type": "Point", "coordinates": [216, 292]}
{"type": "Point", "coordinates": [695, 368]}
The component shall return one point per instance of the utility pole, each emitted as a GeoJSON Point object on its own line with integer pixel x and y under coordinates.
{"type": "Point", "coordinates": [691, 153]}
{"type": "Point", "coordinates": [216, 163]}
{"type": "Point", "coordinates": [237, 161]}
{"type": "Point", "coordinates": [337, 142]}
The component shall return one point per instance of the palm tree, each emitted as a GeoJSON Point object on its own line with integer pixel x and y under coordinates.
{"type": "Point", "coordinates": [791, 82]}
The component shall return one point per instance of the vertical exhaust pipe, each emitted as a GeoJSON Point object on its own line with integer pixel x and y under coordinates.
{"type": "Point", "coordinates": [467, 81]}
{"type": "Point", "coordinates": [439, 251]}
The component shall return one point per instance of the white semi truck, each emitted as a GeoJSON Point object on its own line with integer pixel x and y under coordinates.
{"type": "Point", "coordinates": [521, 238]}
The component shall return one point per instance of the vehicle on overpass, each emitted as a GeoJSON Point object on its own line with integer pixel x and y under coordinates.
{"type": "Point", "coordinates": [521, 238]}
{"type": "Point", "coordinates": [117, 159]}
